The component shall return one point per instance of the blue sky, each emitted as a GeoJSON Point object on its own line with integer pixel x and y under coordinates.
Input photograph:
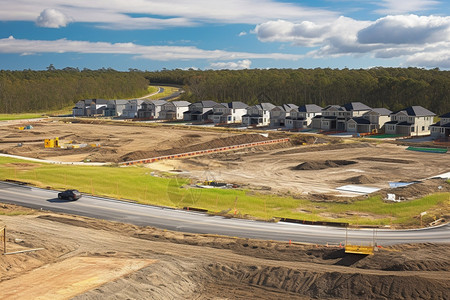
{"type": "Point", "coordinates": [232, 34]}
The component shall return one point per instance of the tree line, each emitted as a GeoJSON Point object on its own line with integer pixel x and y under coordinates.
{"type": "Point", "coordinates": [40, 91]}
{"type": "Point", "coordinates": [392, 88]}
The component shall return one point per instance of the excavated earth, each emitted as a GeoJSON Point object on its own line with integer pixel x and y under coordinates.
{"type": "Point", "coordinates": [76, 253]}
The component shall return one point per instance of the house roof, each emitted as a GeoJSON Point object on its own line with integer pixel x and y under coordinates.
{"type": "Point", "coordinates": [310, 108]}
{"type": "Point", "coordinates": [120, 102]}
{"type": "Point", "coordinates": [355, 106]}
{"type": "Point", "coordinates": [438, 124]}
{"type": "Point", "coordinates": [158, 102]}
{"type": "Point", "coordinates": [404, 124]}
{"type": "Point", "coordinates": [180, 103]}
{"type": "Point", "coordinates": [289, 107]}
{"type": "Point", "coordinates": [100, 101]}
{"type": "Point", "coordinates": [360, 120]}
{"type": "Point", "coordinates": [391, 122]}
{"type": "Point", "coordinates": [265, 106]}
{"type": "Point", "coordinates": [207, 103]}
{"type": "Point", "coordinates": [447, 115]}
{"type": "Point", "coordinates": [382, 111]}
{"type": "Point", "coordinates": [332, 107]}
{"type": "Point", "coordinates": [417, 111]}
{"type": "Point", "coordinates": [237, 105]}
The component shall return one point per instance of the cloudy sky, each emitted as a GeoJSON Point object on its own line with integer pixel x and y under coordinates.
{"type": "Point", "coordinates": [229, 34]}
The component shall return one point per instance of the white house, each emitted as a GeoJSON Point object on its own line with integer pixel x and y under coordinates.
{"type": "Point", "coordinates": [231, 112]}
{"type": "Point", "coordinates": [442, 128]}
{"type": "Point", "coordinates": [174, 110]}
{"type": "Point", "coordinates": [97, 107]}
{"type": "Point", "coordinates": [411, 121]}
{"type": "Point", "coordinates": [258, 115]}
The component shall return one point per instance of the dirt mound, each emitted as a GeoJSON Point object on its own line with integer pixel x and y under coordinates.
{"type": "Point", "coordinates": [361, 179]}
{"type": "Point", "coordinates": [320, 165]}
{"type": "Point", "coordinates": [215, 143]}
{"type": "Point", "coordinates": [418, 190]}
{"type": "Point", "coordinates": [386, 160]}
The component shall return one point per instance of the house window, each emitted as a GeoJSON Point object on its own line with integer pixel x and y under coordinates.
{"type": "Point", "coordinates": [412, 129]}
{"type": "Point", "coordinates": [423, 128]}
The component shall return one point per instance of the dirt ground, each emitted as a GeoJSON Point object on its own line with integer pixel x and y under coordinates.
{"type": "Point", "coordinates": [307, 166]}
{"type": "Point", "coordinates": [314, 169]}
{"type": "Point", "coordinates": [85, 258]}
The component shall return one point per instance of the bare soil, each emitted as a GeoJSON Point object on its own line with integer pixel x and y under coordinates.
{"type": "Point", "coordinates": [85, 258]}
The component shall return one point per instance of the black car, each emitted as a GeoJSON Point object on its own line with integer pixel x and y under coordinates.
{"type": "Point", "coordinates": [70, 195]}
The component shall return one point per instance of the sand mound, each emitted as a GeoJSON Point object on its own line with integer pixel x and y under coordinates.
{"type": "Point", "coordinates": [320, 165]}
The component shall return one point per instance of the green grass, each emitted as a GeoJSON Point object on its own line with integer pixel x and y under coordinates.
{"type": "Point", "coordinates": [138, 184]}
{"type": "Point", "coordinates": [168, 90]}
{"type": "Point", "coordinates": [5, 117]}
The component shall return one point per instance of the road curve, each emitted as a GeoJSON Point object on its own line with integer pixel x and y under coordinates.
{"type": "Point", "coordinates": [194, 222]}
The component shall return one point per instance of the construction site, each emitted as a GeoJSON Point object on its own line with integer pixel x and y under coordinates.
{"type": "Point", "coordinates": [102, 259]}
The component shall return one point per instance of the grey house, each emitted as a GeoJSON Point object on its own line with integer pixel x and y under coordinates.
{"type": "Point", "coordinates": [441, 129]}
{"type": "Point", "coordinates": [199, 111]}
{"type": "Point", "coordinates": [302, 116]}
{"type": "Point", "coordinates": [114, 108]}
{"type": "Point", "coordinates": [279, 114]}
{"type": "Point", "coordinates": [150, 109]}
{"type": "Point", "coordinates": [231, 112]}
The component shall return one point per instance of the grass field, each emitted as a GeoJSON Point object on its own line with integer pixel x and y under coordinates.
{"type": "Point", "coordinates": [5, 117]}
{"type": "Point", "coordinates": [168, 90]}
{"type": "Point", "coordinates": [139, 184]}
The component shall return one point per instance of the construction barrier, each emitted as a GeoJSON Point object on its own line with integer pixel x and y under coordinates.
{"type": "Point", "coordinates": [202, 152]}
{"type": "Point", "coordinates": [357, 249]}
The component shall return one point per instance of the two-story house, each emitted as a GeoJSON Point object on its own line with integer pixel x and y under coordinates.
{"type": "Point", "coordinates": [371, 120]}
{"type": "Point", "coordinates": [131, 108]}
{"type": "Point", "coordinates": [302, 116]}
{"type": "Point", "coordinates": [97, 107]}
{"type": "Point", "coordinates": [114, 108]}
{"type": "Point", "coordinates": [150, 109]}
{"type": "Point", "coordinates": [174, 110]}
{"type": "Point", "coordinates": [441, 129]}
{"type": "Point", "coordinates": [231, 112]}
{"type": "Point", "coordinates": [199, 111]}
{"type": "Point", "coordinates": [411, 121]}
{"type": "Point", "coordinates": [279, 114]}
{"type": "Point", "coordinates": [258, 115]}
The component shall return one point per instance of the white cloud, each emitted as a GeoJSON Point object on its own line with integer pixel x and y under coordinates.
{"type": "Point", "coordinates": [162, 14]}
{"type": "Point", "coordinates": [410, 37]}
{"type": "Point", "coordinates": [242, 33]}
{"type": "Point", "coordinates": [162, 53]}
{"type": "Point", "coordinates": [405, 6]}
{"type": "Point", "coordinates": [52, 18]}
{"type": "Point", "coordinates": [239, 65]}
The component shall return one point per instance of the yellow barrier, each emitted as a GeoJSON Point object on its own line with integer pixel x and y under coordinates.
{"type": "Point", "coordinates": [357, 249]}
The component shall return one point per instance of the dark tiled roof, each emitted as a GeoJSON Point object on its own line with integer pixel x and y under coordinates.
{"type": "Point", "coordinates": [310, 108]}
{"type": "Point", "coordinates": [391, 122]}
{"type": "Point", "coordinates": [405, 124]}
{"type": "Point", "coordinates": [447, 115]}
{"type": "Point", "coordinates": [207, 103]}
{"type": "Point", "coordinates": [289, 107]}
{"type": "Point", "coordinates": [266, 106]}
{"type": "Point", "coordinates": [417, 111]}
{"type": "Point", "coordinates": [382, 111]}
{"type": "Point", "coordinates": [336, 107]}
{"type": "Point", "coordinates": [361, 120]}
{"type": "Point", "coordinates": [236, 105]}
{"type": "Point", "coordinates": [355, 106]}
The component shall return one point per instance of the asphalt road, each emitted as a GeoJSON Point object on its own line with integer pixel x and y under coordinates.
{"type": "Point", "coordinates": [193, 222]}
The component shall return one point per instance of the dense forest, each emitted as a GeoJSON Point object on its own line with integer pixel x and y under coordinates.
{"type": "Point", "coordinates": [392, 88]}
{"type": "Point", "coordinates": [40, 91]}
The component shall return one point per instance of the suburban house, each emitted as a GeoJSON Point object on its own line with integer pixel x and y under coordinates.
{"type": "Point", "coordinates": [411, 121]}
{"type": "Point", "coordinates": [231, 112]}
{"type": "Point", "coordinates": [174, 110]}
{"type": "Point", "coordinates": [302, 116]}
{"type": "Point", "coordinates": [442, 128]}
{"type": "Point", "coordinates": [114, 108]}
{"type": "Point", "coordinates": [89, 107]}
{"type": "Point", "coordinates": [199, 111]}
{"type": "Point", "coordinates": [279, 114]}
{"type": "Point", "coordinates": [131, 108]}
{"type": "Point", "coordinates": [150, 109]}
{"type": "Point", "coordinates": [370, 121]}
{"type": "Point", "coordinates": [81, 107]}
{"type": "Point", "coordinates": [335, 117]}
{"type": "Point", "coordinates": [258, 115]}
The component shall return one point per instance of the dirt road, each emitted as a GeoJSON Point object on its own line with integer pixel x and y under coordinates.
{"type": "Point", "coordinates": [144, 262]}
